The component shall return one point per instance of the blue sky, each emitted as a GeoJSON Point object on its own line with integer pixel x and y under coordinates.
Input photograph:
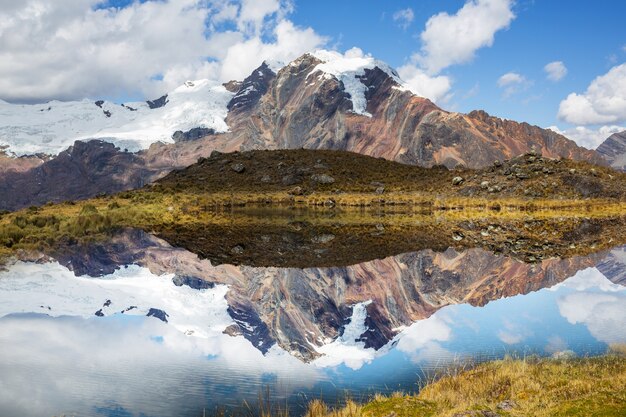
{"type": "Point", "coordinates": [123, 49]}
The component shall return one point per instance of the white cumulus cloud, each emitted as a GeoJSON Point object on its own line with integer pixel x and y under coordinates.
{"type": "Point", "coordinates": [555, 71]}
{"type": "Point", "coordinates": [512, 82]}
{"type": "Point", "coordinates": [588, 137]}
{"type": "Point", "coordinates": [603, 102]}
{"type": "Point", "coordinates": [454, 39]}
{"type": "Point", "coordinates": [404, 17]}
{"type": "Point", "coordinates": [436, 88]}
{"type": "Point", "coordinates": [510, 78]}
{"type": "Point", "coordinates": [73, 49]}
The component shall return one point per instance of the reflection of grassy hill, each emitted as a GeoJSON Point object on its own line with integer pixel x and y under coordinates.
{"type": "Point", "coordinates": [493, 208]}
{"type": "Point", "coordinates": [307, 236]}
{"type": "Point", "coordinates": [538, 388]}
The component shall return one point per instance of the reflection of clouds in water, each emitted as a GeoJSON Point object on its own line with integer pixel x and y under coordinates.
{"type": "Point", "coordinates": [555, 344]}
{"type": "Point", "coordinates": [603, 314]}
{"type": "Point", "coordinates": [597, 303]}
{"type": "Point", "coordinates": [586, 279]}
{"type": "Point", "coordinates": [67, 365]}
{"type": "Point", "coordinates": [513, 333]}
{"type": "Point", "coordinates": [420, 339]}
{"type": "Point", "coordinates": [54, 290]}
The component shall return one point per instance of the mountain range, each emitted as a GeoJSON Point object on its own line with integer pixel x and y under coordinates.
{"type": "Point", "coordinates": [323, 100]}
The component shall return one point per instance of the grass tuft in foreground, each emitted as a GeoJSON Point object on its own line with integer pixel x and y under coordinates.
{"type": "Point", "coordinates": [510, 387]}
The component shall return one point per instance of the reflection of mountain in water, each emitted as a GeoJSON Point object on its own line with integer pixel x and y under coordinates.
{"type": "Point", "coordinates": [614, 265]}
{"type": "Point", "coordinates": [302, 310]}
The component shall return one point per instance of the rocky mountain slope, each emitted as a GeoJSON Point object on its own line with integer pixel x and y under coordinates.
{"type": "Point", "coordinates": [613, 149]}
{"type": "Point", "coordinates": [323, 100]}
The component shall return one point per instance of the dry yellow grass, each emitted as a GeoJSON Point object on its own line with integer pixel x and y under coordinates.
{"type": "Point", "coordinates": [538, 388]}
{"type": "Point", "coordinates": [149, 210]}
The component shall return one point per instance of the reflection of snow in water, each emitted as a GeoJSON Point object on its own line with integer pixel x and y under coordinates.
{"type": "Point", "coordinates": [347, 348]}
{"type": "Point", "coordinates": [54, 290]}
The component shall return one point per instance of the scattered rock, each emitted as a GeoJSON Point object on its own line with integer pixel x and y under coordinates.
{"type": "Point", "coordinates": [193, 134]}
{"type": "Point", "coordinates": [323, 238]}
{"type": "Point", "coordinates": [497, 163]}
{"type": "Point", "coordinates": [564, 354]}
{"type": "Point", "coordinates": [233, 330]}
{"type": "Point", "coordinates": [266, 178]}
{"type": "Point", "coordinates": [238, 168]}
{"type": "Point", "coordinates": [159, 314]}
{"type": "Point", "coordinates": [458, 236]}
{"type": "Point", "coordinates": [291, 179]}
{"type": "Point", "coordinates": [237, 250]}
{"type": "Point", "coordinates": [296, 191]}
{"type": "Point", "coordinates": [572, 171]}
{"type": "Point", "coordinates": [322, 178]}
{"type": "Point", "coordinates": [457, 180]}
{"type": "Point", "coordinates": [507, 405]}
{"type": "Point", "coordinates": [484, 185]}
{"type": "Point", "coordinates": [380, 190]}
{"type": "Point", "coordinates": [216, 154]}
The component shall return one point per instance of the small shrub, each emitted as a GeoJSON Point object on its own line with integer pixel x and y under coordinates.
{"type": "Point", "coordinates": [88, 210]}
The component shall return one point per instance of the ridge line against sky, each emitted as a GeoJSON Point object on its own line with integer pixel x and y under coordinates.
{"type": "Point", "coordinates": [544, 62]}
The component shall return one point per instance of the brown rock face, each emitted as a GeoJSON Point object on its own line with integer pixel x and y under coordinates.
{"type": "Point", "coordinates": [303, 109]}
{"type": "Point", "coordinates": [614, 150]}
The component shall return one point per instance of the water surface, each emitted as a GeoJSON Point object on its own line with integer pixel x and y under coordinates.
{"type": "Point", "coordinates": [135, 326]}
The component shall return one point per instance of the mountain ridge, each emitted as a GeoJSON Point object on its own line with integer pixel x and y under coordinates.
{"type": "Point", "coordinates": [351, 103]}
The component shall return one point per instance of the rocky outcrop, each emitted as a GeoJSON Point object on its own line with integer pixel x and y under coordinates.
{"type": "Point", "coordinates": [158, 103]}
{"type": "Point", "coordinates": [613, 149]}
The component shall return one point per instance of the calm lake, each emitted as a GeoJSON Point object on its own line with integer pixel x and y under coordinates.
{"type": "Point", "coordinates": [133, 326]}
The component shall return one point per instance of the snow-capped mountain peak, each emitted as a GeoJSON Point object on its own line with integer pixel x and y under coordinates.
{"type": "Point", "coordinates": [349, 68]}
